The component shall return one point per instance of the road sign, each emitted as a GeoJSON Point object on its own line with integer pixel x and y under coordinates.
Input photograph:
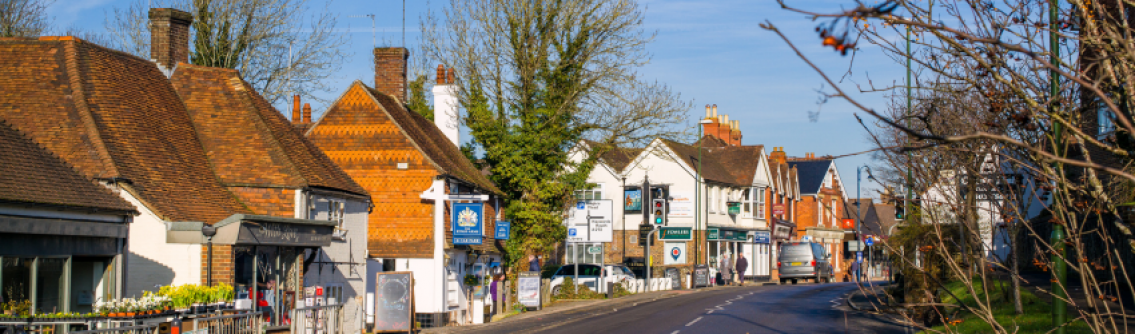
{"type": "Point", "coordinates": [592, 220]}
{"type": "Point", "coordinates": [806, 238]}
{"type": "Point", "coordinates": [761, 237]}
{"type": "Point", "coordinates": [502, 231]}
{"type": "Point", "coordinates": [870, 241]}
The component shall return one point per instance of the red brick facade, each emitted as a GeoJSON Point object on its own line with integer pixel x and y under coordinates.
{"type": "Point", "coordinates": [390, 71]}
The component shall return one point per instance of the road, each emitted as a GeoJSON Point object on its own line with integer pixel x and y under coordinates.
{"type": "Point", "coordinates": [804, 308]}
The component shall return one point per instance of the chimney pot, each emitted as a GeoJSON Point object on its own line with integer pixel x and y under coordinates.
{"type": "Point", "coordinates": [390, 71]}
{"type": "Point", "coordinates": [169, 36]}
{"type": "Point", "coordinates": [451, 78]}
{"type": "Point", "coordinates": [306, 113]}
{"type": "Point", "coordinates": [296, 114]}
{"type": "Point", "coordinates": [440, 74]}
{"type": "Point", "coordinates": [707, 116]}
{"type": "Point", "coordinates": [715, 111]}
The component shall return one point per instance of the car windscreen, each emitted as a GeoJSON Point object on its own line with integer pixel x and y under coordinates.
{"type": "Point", "coordinates": [567, 270]}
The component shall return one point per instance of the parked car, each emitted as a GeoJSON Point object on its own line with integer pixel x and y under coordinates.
{"type": "Point", "coordinates": [589, 275]}
{"type": "Point", "coordinates": [804, 260]}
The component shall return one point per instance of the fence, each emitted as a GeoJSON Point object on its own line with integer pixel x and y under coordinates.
{"type": "Point", "coordinates": [656, 284]}
{"type": "Point", "coordinates": [323, 319]}
{"type": "Point", "coordinates": [244, 323]}
{"type": "Point", "coordinates": [143, 329]}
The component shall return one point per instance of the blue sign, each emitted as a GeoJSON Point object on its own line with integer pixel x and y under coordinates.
{"type": "Point", "coordinates": [761, 237]}
{"type": "Point", "coordinates": [581, 205]}
{"type": "Point", "coordinates": [858, 256]}
{"type": "Point", "coordinates": [467, 223]}
{"type": "Point", "coordinates": [869, 241]}
{"type": "Point", "coordinates": [571, 232]}
{"type": "Point", "coordinates": [503, 229]}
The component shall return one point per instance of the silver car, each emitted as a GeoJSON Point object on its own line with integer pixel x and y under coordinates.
{"type": "Point", "coordinates": [804, 260]}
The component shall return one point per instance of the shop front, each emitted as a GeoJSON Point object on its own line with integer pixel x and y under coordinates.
{"type": "Point", "coordinates": [59, 265]}
{"type": "Point", "coordinates": [269, 258]}
{"type": "Point", "coordinates": [724, 245]}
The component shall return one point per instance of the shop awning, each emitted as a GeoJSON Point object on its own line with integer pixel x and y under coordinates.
{"type": "Point", "coordinates": [242, 229]}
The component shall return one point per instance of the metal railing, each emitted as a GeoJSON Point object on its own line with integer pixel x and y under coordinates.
{"type": "Point", "coordinates": [143, 329]}
{"type": "Point", "coordinates": [323, 319]}
{"type": "Point", "coordinates": [244, 323]}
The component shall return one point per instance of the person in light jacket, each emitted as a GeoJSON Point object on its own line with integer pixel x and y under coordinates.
{"type": "Point", "coordinates": [726, 269]}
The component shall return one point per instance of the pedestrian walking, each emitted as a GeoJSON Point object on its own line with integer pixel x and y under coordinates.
{"type": "Point", "coordinates": [855, 271]}
{"type": "Point", "coordinates": [533, 263]}
{"type": "Point", "coordinates": [742, 265]}
{"type": "Point", "coordinates": [726, 269]}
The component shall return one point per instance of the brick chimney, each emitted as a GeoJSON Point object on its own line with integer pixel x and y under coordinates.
{"type": "Point", "coordinates": [710, 128]}
{"type": "Point", "coordinates": [169, 36]}
{"type": "Point", "coordinates": [390, 71]}
{"type": "Point", "coordinates": [296, 114]}
{"type": "Point", "coordinates": [306, 113]}
{"type": "Point", "coordinates": [778, 155]}
{"type": "Point", "coordinates": [447, 116]}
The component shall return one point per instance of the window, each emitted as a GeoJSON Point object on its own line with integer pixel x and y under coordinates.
{"type": "Point", "coordinates": [709, 202]}
{"type": "Point", "coordinates": [747, 199]}
{"type": "Point", "coordinates": [760, 203]}
{"type": "Point", "coordinates": [336, 210]}
{"type": "Point", "coordinates": [334, 293]}
{"type": "Point", "coordinates": [593, 193]}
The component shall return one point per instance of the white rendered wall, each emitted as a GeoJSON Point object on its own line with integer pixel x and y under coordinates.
{"type": "Point", "coordinates": [349, 256]}
{"type": "Point", "coordinates": [153, 262]}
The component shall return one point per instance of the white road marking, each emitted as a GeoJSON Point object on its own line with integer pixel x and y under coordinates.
{"type": "Point", "coordinates": [675, 332]}
{"type": "Point", "coordinates": [693, 322]}
{"type": "Point", "coordinates": [710, 312]}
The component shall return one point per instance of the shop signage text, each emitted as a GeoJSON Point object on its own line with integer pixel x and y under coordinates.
{"type": "Point", "coordinates": [676, 233]}
{"type": "Point", "coordinates": [503, 230]}
{"type": "Point", "coordinates": [761, 237]}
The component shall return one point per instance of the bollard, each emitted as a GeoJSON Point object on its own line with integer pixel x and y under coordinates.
{"type": "Point", "coordinates": [610, 290]}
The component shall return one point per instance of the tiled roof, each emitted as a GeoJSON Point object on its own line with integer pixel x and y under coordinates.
{"type": "Point", "coordinates": [735, 165]}
{"type": "Point", "coordinates": [250, 143]}
{"type": "Point", "coordinates": [865, 205]}
{"type": "Point", "coordinates": [617, 157]}
{"type": "Point", "coordinates": [31, 174]}
{"type": "Point", "coordinates": [112, 115]}
{"type": "Point", "coordinates": [811, 174]}
{"type": "Point", "coordinates": [886, 217]}
{"type": "Point", "coordinates": [434, 144]}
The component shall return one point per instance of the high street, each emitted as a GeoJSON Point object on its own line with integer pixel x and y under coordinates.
{"type": "Point", "coordinates": [804, 308]}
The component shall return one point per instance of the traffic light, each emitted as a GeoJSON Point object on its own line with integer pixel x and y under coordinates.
{"type": "Point", "coordinates": [900, 209]}
{"type": "Point", "coordinates": [659, 209]}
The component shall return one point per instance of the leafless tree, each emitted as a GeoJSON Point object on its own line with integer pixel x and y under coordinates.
{"type": "Point", "coordinates": [1046, 92]}
{"type": "Point", "coordinates": [24, 18]}
{"type": "Point", "coordinates": [286, 47]}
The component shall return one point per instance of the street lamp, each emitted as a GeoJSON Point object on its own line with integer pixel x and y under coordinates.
{"type": "Point", "coordinates": [858, 215]}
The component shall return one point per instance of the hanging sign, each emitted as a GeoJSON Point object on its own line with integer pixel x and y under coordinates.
{"type": "Point", "coordinates": [503, 230]}
{"type": "Point", "coordinates": [467, 223]}
{"type": "Point", "coordinates": [848, 223]}
{"type": "Point", "coordinates": [632, 200]}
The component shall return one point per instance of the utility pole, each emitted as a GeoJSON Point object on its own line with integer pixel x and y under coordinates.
{"type": "Point", "coordinates": [909, 174]}
{"type": "Point", "coordinates": [1059, 267]}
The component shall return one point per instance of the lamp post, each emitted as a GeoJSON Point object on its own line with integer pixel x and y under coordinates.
{"type": "Point", "coordinates": [1059, 268]}
{"type": "Point", "coordinates": [858, 216]}
{"type": "Point", "coordinates": [697, 192]}
{"type": "Point", "coordinates": [209, 231]}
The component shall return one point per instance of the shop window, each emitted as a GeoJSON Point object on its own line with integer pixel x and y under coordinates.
{"type": "Point", "coordinates": [50, 284]}
{"type": "Point", "coordinates": [17, 278]}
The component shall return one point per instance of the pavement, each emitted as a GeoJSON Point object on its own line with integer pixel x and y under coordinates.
{"type": "Point", "coordinates": [802, 308]}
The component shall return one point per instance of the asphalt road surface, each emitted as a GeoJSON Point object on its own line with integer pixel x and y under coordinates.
{"type": "Point", "coordinates": [804, 308]}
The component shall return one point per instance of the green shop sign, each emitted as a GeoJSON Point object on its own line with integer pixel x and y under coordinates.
{"type": "Point", "coordinates": [713, 234]}
{"type": "Point", "coordinates": [716, 234]}
{"type": "Point", "coordinates": [676, 233]}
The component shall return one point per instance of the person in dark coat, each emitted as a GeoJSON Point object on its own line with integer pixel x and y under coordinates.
{"type": "Point", "coordinates": [742, 264]}
{"type": "Point", "coordinates": [533, 263]}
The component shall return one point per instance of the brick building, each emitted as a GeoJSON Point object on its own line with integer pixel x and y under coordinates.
{"type": "Point", "coordinates": [415, 173]}
{"type": "Point", "coordinates": [821, 206]}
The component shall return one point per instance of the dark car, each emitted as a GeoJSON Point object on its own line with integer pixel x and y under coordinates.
{"type": "Point", "coordinates": [804, 260]}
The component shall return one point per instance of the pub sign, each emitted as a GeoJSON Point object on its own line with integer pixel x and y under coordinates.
{"type": "Point", "coordinates": [468, 222]}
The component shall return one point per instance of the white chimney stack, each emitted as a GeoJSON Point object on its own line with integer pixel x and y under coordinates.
{"type": "Point", "coordinates": [447, 117]}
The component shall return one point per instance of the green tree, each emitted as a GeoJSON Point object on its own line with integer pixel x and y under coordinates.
{"type": "Point", "coordinates": [536, 77]}
{"type": "Point", "coordinates": [417, 101]}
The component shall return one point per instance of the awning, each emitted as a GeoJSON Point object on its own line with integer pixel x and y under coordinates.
{"type": "Point", "coordinates": [242, 229]}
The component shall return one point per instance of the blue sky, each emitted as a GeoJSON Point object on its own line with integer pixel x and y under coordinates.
{"type": "Point", "coordinates": [713, 52]}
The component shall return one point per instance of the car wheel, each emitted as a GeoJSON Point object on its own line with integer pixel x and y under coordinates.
{"type": "Point", "coordinates": [794, 281]}
{"type": "Point", "coordinates": [556, 290]}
